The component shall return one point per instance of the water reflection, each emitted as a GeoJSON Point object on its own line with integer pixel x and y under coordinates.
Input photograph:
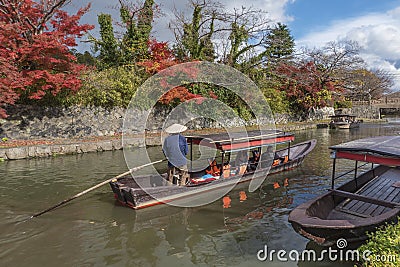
{"type": "Point", "coordinates": [95, 231]}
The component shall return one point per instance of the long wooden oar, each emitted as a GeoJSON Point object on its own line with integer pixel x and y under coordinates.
{"type": "Point", "coordinates": [94, 187]}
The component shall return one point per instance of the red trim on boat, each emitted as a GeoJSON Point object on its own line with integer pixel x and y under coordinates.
{"type": "Point", "coordinates": [256, 143]}
{"type": "Point", "coordinates": [226, 145]}
{"type": "Point", "coordinates": [368, 158]}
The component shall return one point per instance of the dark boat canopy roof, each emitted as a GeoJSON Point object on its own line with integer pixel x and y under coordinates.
{"type": "Point", "coordinates": [342, 115]}
{"type": "Point", "coordinates": [241, 140]}
{"type": "Point", "coordinates": [382, 150]}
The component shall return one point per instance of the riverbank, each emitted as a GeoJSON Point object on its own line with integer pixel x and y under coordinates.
{"type": "Point", "coordinates": [38, 148]}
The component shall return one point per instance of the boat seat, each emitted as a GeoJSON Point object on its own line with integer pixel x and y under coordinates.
{"type": "Point", "coordinates": [367, 199]}
{"type": "Point", "coordinates": [353, 213]}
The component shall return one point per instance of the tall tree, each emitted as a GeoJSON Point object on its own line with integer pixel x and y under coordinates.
{"type": "Point", "coordinates": [238, 39]}
{"type": "Point", "coordinates": [335, 61]}
{"type": "Point", "coordinates": [367, 85]}
{"type": "Point", "coordinates": [138, 23]}
{"type": "Point", "coordinates": [248, 34]}
{"type": "Point", "coordinates": [108, 45]}
{"type": "Point", "coordinates": [304, 87]}
{"type": "Point", "coordinates": [194, 37]}
{"type": "Point", "coordinates": [280, 43]}
{"type": "Point", "coordinates": [133, 47]}
{"type": "Point", "coordinates": [35, 38]}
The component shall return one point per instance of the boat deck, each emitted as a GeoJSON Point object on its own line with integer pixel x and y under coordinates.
{"type": "Point", "coordinates": [385, 187]}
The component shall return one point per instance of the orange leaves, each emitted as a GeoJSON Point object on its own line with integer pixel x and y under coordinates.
{"type": "Point", "coordinates": [179, 93]}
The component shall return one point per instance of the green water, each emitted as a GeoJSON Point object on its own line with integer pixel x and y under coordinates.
{"type": "Point", "coordinates": [95, 231]}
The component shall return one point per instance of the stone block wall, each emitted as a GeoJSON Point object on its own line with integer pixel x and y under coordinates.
{"type": "Point", "coordinates": [361, 112]}
{"type": "Point", "coordinates": [34, 122]}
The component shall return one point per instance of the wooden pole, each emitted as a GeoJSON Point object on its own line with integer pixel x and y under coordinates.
{"type": "Point", "coordinates": [93, 188]}
{"type": "Point", "coordinates": [333, 173]}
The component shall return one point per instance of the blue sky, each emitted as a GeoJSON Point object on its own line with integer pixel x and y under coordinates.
{"type": "Point", "coordinates": [374, 24]}
{"type": "Point", "coordinates": [313, 15]}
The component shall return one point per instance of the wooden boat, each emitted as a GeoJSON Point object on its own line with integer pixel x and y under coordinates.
{"type": "Point", "coordinates": [360, 205]}
{"type": "Point", "coordinates": [343, 121]}
{"type": "Point", "coordinates": [393, 120]}
{"type": "Point", "coordinates": [149, 190]}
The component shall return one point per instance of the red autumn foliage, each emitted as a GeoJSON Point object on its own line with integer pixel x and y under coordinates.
{"type": "Point", "coordinates": [160, 57]}
{"type": "Point", "coordinates": [305, 85]}
{"type": "Point", "coordinates": [178, 93]}
{"type": "Point", "coordinates": [34, 49]}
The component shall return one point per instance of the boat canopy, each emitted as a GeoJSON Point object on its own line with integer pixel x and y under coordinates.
{"type": "Point", "coordinates": [383, 150]}
{"type": "Point", "coordinates": [342, 116]}
{"type": "Point", "coordinates": [241, 140]}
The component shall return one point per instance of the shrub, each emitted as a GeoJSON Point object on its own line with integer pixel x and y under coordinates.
{"type": "Point", "coordinates": [343, 104]}
{"type": "Point", "coordinates": [107, 88]}
{"type": "Point", "coordinates": [384, 246]}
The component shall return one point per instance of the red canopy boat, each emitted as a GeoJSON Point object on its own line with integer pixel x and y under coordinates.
{"type": "Point", "coordinates": [149, 190]}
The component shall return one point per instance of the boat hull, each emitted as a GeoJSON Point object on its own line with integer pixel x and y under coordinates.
{"type": "Point", "coordinates": [344, 125]}
{"type": "Point", "coordinates": [153, 190]}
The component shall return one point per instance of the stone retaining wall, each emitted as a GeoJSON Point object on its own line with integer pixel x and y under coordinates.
{"type": "Point", "coordinates": [29, 122]}
{"type": "Point", "coordinates": [33, 122]}
{"type": "Point", "coordinates": [39, 151]}
{"type": "Point", "coordinates": [361, 112]}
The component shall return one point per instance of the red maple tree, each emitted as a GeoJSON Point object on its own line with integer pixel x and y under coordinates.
{"type": "Point", "coordinates": [160, 58]}
{"type": "Point", "coordinates": [305, 86]}
{"type": "Point", "coordinates": [35, 38]}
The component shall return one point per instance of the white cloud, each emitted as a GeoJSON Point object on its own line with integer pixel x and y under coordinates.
{"type": "Point", "coordinates": [378, 34]}
{"type": "Point", "coordinates": [276, 9]}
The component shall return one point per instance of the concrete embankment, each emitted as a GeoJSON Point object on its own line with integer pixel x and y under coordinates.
{"type": "Point", "coordinates": [37, 151]}
{"type": "Point", "coordinates": [68, 148]}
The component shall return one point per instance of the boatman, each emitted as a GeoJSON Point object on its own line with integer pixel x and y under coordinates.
{"type": "Point", "coordinates": [175, 148]}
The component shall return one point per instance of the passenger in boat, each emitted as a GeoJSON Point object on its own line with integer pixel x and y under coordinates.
{"type": "Point", "coordinates": [268, 158]}
{"type": "Point", "coordinates": [175, 149]}
{"type": "Point", "coordinates": [254, 159]}
{"type": "Point", "coordinates": [213, 168]}
{"type": "Point", "coordinates": [241, 162]}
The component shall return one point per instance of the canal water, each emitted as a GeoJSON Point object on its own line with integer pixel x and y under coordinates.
{"type": "Point", "coordinates": [94, 230]}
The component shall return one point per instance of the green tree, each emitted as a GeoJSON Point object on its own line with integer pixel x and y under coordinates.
{"type": "Point", "coordinates": [248, 30]}
{"type": "Point", "coordinates": [138, 23]}
{"type": "Point", "coordinates": [133, 47]}
{"type": "Point", "coordinates": [237, 37]}
{"type": "Point", "coordinates": [108, 45]}
{"type": "Point", "coordinates": [86, 58]}
{"type": "Point", "coordinates": [280, 43]}
{"type": "Point", "coordinates": [194, 37]}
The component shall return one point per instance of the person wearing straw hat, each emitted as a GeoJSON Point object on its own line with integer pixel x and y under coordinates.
{"type": "Point", "coordinates": [175, 149]}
